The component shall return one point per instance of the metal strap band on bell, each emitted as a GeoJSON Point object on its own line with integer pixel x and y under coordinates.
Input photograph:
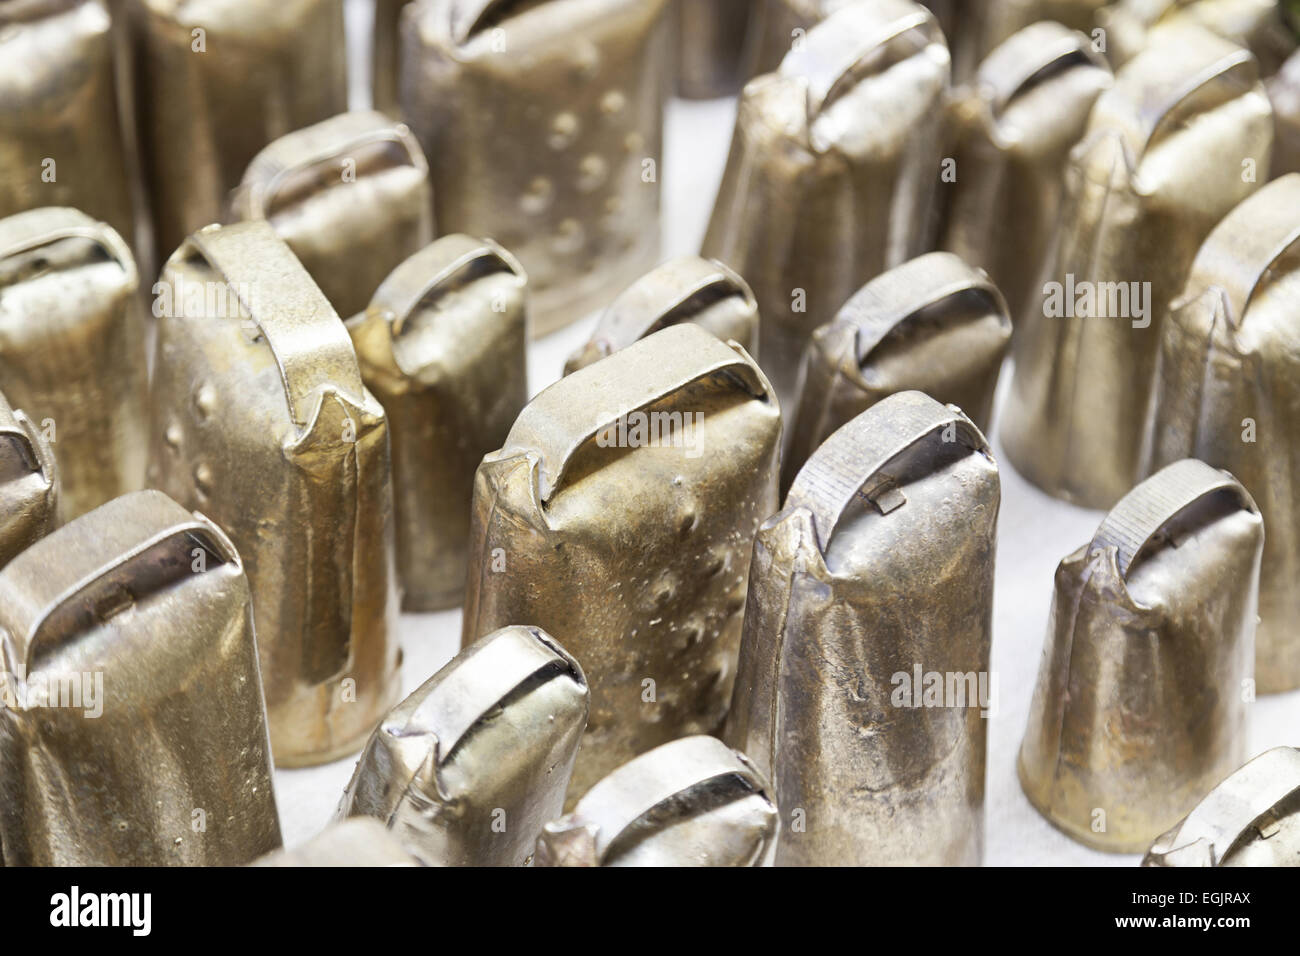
{"type": "Point", "coordinates": [35, 228]}
{"type": "Point", "coordinates": [439, 268]}
{"type": "Point", "coordinates": [642, 785]}
{"type": "Point", "coordinates": [1203, 61]}
{"type": "Point", "coordinates": [319, 145]}
{"type": "Point", "coordinates": [831, 59]}
{"type": "Point", "coordinates": [551, 424]}
{"type": "Point", "coordinates": [897, 295]}
{"type": "Point", "coordinates": [482, 680]}
{"type": "Point", "coordinates": [854, 454]}
{"type": "Point", "coordinates": [49, 577]}
{"type": "Point", "coordinates": [1030, 56]}
{"type": "Point", "coordinates": [1134, 524]}
{"type": "Point", "coordinates": [660, 298]}
{"type": "Point", "coordinates": [1229, 810]}
{"type": "Point", "coordinates": [311, 345]}
{"type": "Point", "coordinates": [1248, 243]}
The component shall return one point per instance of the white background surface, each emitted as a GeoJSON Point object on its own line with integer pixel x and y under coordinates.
{"type": "Point", "coordinates": [1035, 533]}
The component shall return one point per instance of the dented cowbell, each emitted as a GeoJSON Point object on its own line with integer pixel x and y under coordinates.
{"type": "Point", "coordinates": [690, 802]}
{"type": "Point", "coordinates": [261, 420]}
{"type": "Point", "coordinates": [29, 483]}
{"type": "Point", "coordinates": [214, 81]}
{"type": "Point", "coordinates": [687, 289]}
{"type": "Point", "coordinates": [442, 347]}
{"type": "Point", "coordinates": [863, 685]}
{"type": "Point", "coordinates": [72, 349]}
{"type": "Point", "coordinates": [133, 729]}
{"type": "Point", "coordinates": [60, 137]}
{"type": "Point", "coordinates": [833, 169]}
{"type": "Point", "coordinates": [1227, 384]}
{"type": "Point", "coordinates": [350, 195]}
{"type": "Point", "coordinates": [932, 325]}
{"type": "Point", "coordinates": [1250, 819]}
{"type": "Point", "coordinates": [1144, 683]}
{"type": "Point", "coordinates": [1170, 149]}
{"type": "Point", "coordinates": [467, 770]}
{"type": "Point", "coordinates": [1012, 131]}
{"type": "Point", "coordinates": [543, 125]}
{"type": "Point", "coordinates": [618, 516]}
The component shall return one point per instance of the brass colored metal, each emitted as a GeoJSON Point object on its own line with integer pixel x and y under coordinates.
{"type": "Point", "coordinates": [261, 420]}
{"type": "Point", "coordinates": [981, 27]}
{"type": "Point", "coordinates": [357, 841]}
{"type": "Point", "coordinates": [384, 55]}
{"type": "Point", "coordinates": [29, 483]}
{"type": "Point", "coordinates": [933, 325]}
{"type": "Point", "coordinates": [442, 347]}
{"type": "Point", "coordinates": [214, 82]}
{"type": "Point", "coordinates": [1227, 386]}
{"type": "Point", "coordinates": [1251, 819]}
{"type": "Point", "coordinates": [1284, 94]}
{"type": "Point", "coordinates": [133, 704]}
{"type": "Point", "coordinates": [879, 570]}
{"type": "Point", "coordinates": [832, 172]}
{"type": "Point", "coordinates": [543, 125]}
{"type": "Point", "coordinates": [1140, 705]}
{"type": "Point", "coordinates": [1167, 154]}
{"type": "Point", "coordinates": [72, 349]}
{"type": "Point", "coordinates": [1013, 129]}
{"type": "Point", "coordinates": [618, 516]}
{"type": "Point", "coordinates": [688, 289]}
{"type": "Point", "coordinates": [60, 139]}
{"type": "Point", "coordinates": [1259, 25]}
{"type": "Point", "coordinates": [690, 802]}
{"type": "Point", "coordinates": [712, 46]}
{"type": "Point", "coordinates": [467, 770]}
{"type": "Point", "coordinates": [351, 198]}
{"type": "Point", "coordinates": [973, 28]}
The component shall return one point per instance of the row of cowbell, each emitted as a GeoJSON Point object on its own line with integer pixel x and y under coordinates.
{"type": "Point", "coordinates": [879, 566]}
{"type": "Point", "coordinates": [290, 336]}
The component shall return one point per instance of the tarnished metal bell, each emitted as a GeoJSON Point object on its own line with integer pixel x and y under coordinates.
{"type": "Point", "coordinates": [542, 123]}
{"type": "Point", "coordinates": [349, 195]}
{"type": "Point", "coordinates": [1250, 819]}
{"type": "Point", "coordinates": [1142, 692]}
{"type": "Point", "coordinates": [691, 802]}
{"type": "Point", "coordinates": [1013, 129]}
{"type": "Point", "coordinates": [442, 347]}
{"type": "Point", "coordinates": [133, 731]}
{"type": "Point", "coordinates": [688, 289]}
{"type": "Point", "coordinates": [214, 81]}
{"type": "Point", "coordinates": [864, 683]}
{"type": "Point", "coordinates": [29, 483]}
{"type": "Point", "coordinates": [712, 46]}
{"type": "Point", "coordinates": [261, 420]}
{"type": "Point", "coordinates": [60, 136]}
{"type": "Point", "coordinates": [833, 170]}
{"type": "Point", "coordinates": [1227, 389]}
{"type": "Point", "coordinates": [72, 349]}
{"type": "Point", "coordinates": [467, 770]}
{"type": "Point", "coordinates": [618, 516]}
{"type": "Point", "coordinates": [1172, 147]}
{"type": "Point", "coordinates": [933, 325]}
